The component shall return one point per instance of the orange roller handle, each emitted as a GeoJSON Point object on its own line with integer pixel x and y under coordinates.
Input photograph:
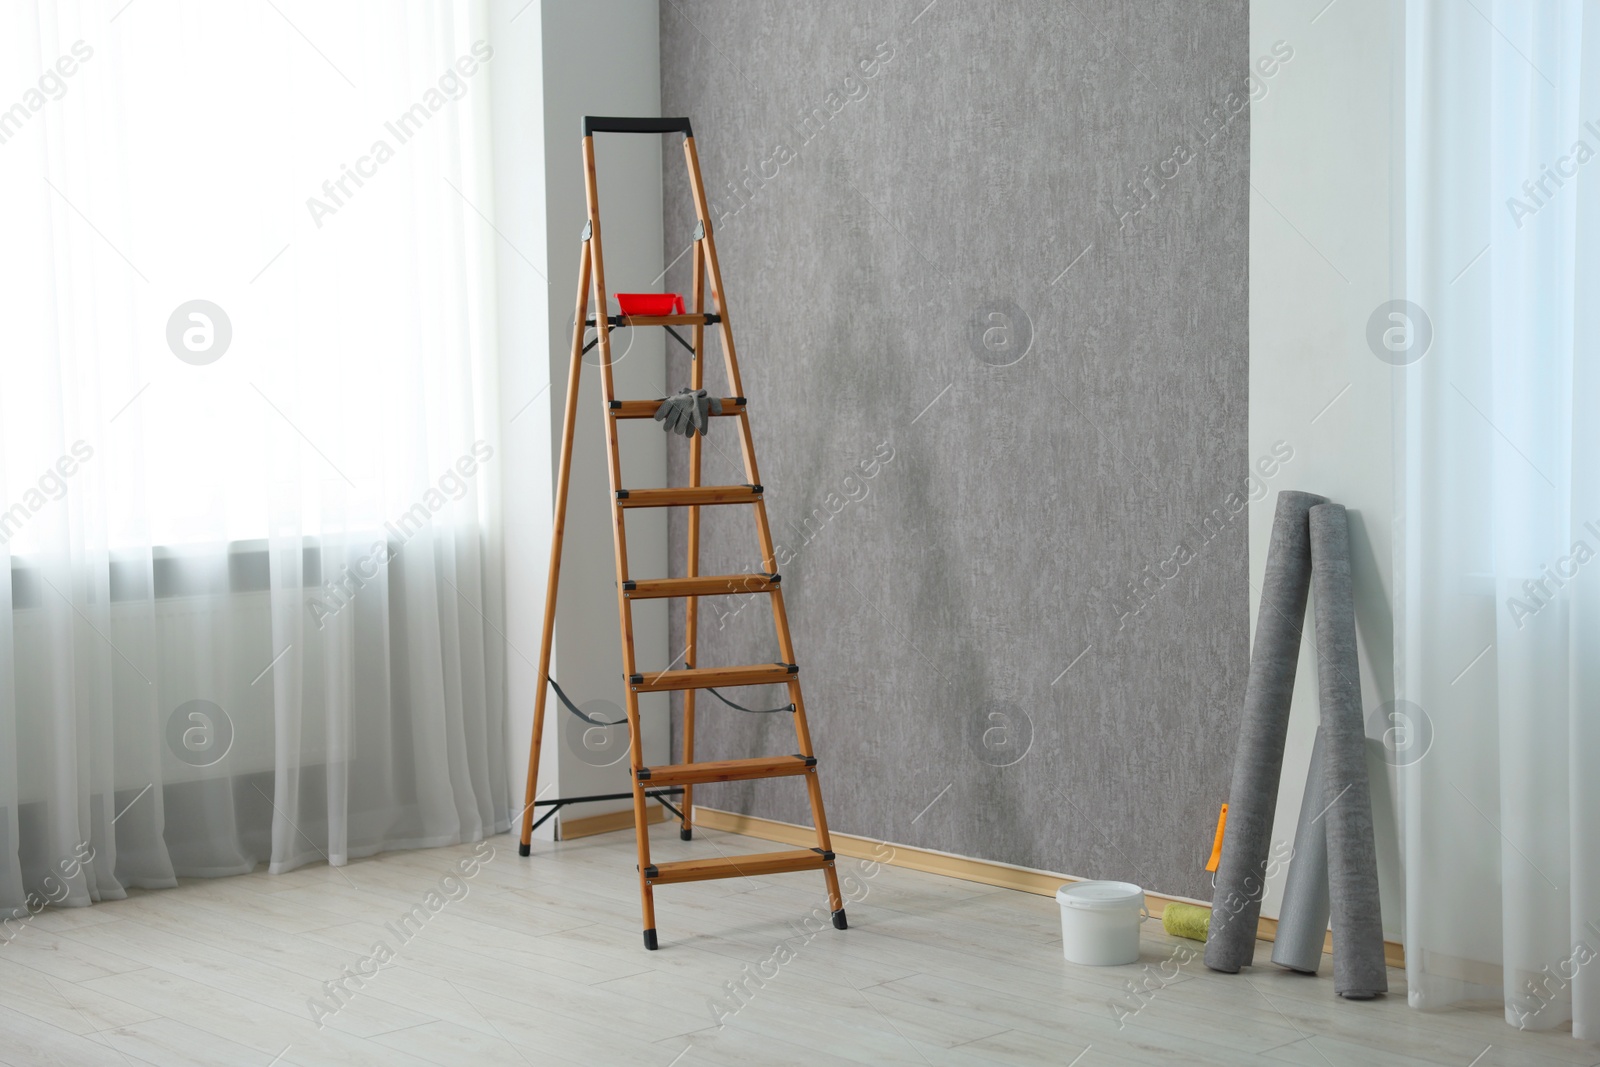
{"type": "Point", "coordinates": [1216, 846]}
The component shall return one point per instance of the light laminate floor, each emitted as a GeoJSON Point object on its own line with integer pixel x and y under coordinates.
{"type": "Point", "coordinates": [539, 961]}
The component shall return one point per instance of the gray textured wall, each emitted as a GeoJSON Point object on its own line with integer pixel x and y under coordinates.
{"type": "Point", "coordinates": [1081, 506]}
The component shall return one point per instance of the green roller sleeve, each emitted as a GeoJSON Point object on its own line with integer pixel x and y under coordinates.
{"type": "Point", "coordinates": [1186, 920]}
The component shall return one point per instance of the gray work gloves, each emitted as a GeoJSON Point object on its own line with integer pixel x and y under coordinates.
{"type": "Point", "coordinates": [688, 410]}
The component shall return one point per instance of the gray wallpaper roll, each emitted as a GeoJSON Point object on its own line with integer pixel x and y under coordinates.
{"type": "Point", "coordinates": [1253, 796]}
{"type": "Point", "coordinates": [1358, 967]}
{"type": "Point", "coordinates": [1303, 922]}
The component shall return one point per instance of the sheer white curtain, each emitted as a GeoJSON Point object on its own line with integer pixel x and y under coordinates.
{"type": "Point", "coordinates": [1499, 590]}
{"type": "Point", "coordinates": [247, 450]}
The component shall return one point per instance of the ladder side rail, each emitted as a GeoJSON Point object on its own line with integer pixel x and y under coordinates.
{"type": "Point", "coordinates": [780, 617]}
{"type": "Point", "coordinates": [619, 529]}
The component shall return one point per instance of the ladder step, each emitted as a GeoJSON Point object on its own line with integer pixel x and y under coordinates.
{"type": "Point", "coordinates": [646, 409]}
{"type": "Point", "coordinates": [709, 585]}
{"type": "Point", "coordinates": [691, 319]}
{"type": "Point", "coordinates": [707, 677]}
{"type": "Point", "coordinates": [727, 770]}
{"type": "Point", "coordinates": [688, 496]}
{"type": "Point", "coordinates": [739, 866]}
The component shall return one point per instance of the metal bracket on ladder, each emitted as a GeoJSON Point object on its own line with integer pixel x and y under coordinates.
{"type": "Point", "coordinates": [676, 780]}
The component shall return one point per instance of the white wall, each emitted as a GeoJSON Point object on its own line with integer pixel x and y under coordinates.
{"type": "Point", "coordinates": [554, 62]}
{"type": "Point", "coordinates": [1321, 217]}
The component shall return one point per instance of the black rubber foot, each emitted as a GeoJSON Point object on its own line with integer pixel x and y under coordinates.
{"type": "Point", "coordinates": [839, 922]}
{"type": "Point", "coordinates": [685, 833]}
{"type": "Point", "coordinates": [650, 939]}
{"type": "Point", "coordinates": [522, 849]}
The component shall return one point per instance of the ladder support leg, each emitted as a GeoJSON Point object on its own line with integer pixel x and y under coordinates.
{"type": "Point", "coordinates": [692, 568]}
{"type": "Point", "coordinates": [557, 536]}
{"type": "Point", "coordinates": [686, 826]}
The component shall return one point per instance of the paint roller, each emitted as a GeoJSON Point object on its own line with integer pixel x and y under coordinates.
{"type": "Point", "coordinates": [1191, 920]}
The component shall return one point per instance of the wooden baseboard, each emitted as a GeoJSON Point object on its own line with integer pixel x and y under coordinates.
{"type": "Point", "coordinates": [985, 872]}
{"type": "Point", "coordinates": [589, 825]}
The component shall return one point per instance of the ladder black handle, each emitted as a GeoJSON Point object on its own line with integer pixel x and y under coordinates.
{"type": "Point", "coordinates": [593, 124]}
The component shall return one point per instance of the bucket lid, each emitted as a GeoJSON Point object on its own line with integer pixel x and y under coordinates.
{"type": "Point", "coordinates": [1100, 895]}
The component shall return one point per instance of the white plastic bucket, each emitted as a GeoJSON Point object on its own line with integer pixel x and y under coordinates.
{"type": "Point", "coordinates": [1100, 922]}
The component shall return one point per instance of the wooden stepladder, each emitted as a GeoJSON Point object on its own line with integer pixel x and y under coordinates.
{"type": "Point", "coordinates": [676, 780]}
